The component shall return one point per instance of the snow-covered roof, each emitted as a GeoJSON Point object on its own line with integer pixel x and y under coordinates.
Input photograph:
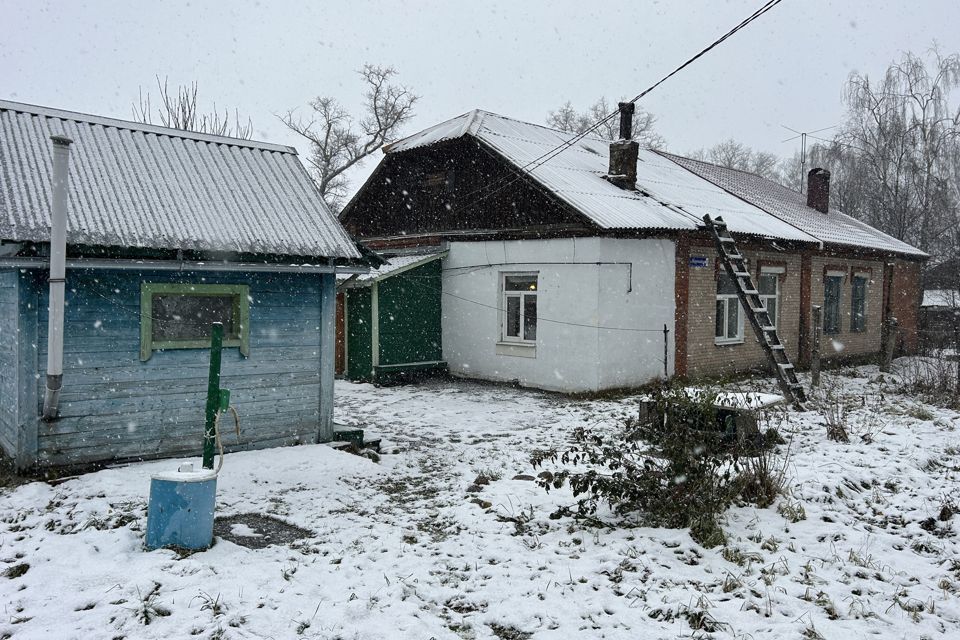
{"type": "Point", "coordinates": [945, 298]}
{"type": "Point", "coordinates": [144, 186]}
{"type": "Point", "coordinates": [672, 192]}
{"type": "Point", "coordinates": [393, 266]}
{"type": "Point", "coordinates": [791, 206]}
{"type": "Point", "coordinates": [668, 196]}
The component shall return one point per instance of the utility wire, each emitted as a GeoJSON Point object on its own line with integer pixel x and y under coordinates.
{"type": "Point", "coordinates": [539, 161]}
{"type": "Point", "coordinates": [539, 317]}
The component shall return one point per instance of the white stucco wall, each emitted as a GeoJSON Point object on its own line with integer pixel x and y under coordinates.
{"type": "Point", "coordinates": [590, 314]}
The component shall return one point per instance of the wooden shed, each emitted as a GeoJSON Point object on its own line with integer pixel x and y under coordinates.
{"type": "Point", "coordinates": [167, 231]}
{"type": "Point", "coordinates": [391, 320]}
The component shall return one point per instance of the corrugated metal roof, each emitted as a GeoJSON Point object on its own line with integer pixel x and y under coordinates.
{"type": "Point", "coordinates": [945, 298]}
{"type": "Point", "coordinates": [791, 206]}
{"type": "Point", "coordinates": [668, 196]}
{"type": "Point", "coordinates": [135, 185]}
{"type": "Point", "coordinates": [393, 266]}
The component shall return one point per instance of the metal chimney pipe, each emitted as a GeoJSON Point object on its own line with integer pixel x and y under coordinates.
{"type": "Point", "coordinates": [58, 256]}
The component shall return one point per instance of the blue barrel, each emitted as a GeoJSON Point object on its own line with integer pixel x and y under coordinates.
{"type": "Point", "coordinates": [180, 513]}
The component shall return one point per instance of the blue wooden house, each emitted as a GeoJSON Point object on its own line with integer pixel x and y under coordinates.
{"type": "Point", "coordinates": [167, 231]}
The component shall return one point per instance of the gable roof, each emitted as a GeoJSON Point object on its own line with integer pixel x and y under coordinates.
{"type": "Point", "coordinates": [672, 192]}
{"type": "Point", "coordinates": [668, 196]}
{"type": "Point", "coordinates": [833, 227]}
{"type": "Point", "coordinates": [144, 186]}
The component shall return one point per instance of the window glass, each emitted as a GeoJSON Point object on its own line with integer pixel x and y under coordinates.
{"type": "Point", "coordinates": [513, 316]}
{"type": "Point", "coordinates": [721, 318]}
{"type": "Point", "coordinates": [175, 315]}
{"type": "Point", "coordinates": [188, 317]}
{"type": "Point", "coordinates": [858, 304]}
{"type": "Point", "coordinates": [520, 283]}
{"type": "Point", "coordinates": [767, 285]}
{"type": "Point", "coordinates": [726, 285]}
{"type": "Point", "coordinates": [733, 319]}
{"type": "Point", "coordinates": [831, 303]}
{"type": "Point", "coordinates": [529, 317]}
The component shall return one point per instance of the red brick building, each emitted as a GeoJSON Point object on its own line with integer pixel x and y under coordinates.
{"type": "Point", "coordinates": [608, 242]}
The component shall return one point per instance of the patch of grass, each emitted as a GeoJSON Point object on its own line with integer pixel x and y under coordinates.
{"type": "Point", "coordinates": [148, 610]}
{"type": "Point", "coordinates": [16, 570]}
{"type": "Point", "coordinates": [792, 510]}
{"type": "Point", "coordinates": [509, 633]}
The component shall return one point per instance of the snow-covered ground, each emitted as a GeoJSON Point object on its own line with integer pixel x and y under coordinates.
{"type": "Point", "coordinates": [401, 549]}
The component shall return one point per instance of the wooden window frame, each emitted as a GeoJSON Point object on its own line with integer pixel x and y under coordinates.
{"type": "Point", "coordinates": [504, 294]}
{"type": "Point", "coordinates": [241, 310]}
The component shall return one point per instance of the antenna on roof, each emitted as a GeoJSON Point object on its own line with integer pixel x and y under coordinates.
{"type": "Point", "coordinates": [803, 149]}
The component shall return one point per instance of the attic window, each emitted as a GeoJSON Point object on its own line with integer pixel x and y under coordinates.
{"type": "Point", "coordinates": [438, 182]}
{"type": "Point", "coordinates": [180, 315]}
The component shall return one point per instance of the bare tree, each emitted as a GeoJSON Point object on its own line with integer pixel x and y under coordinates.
{"type": "Point", "coordinates": [736, 155]}
{"type": "Point", "coordinates": [338, 142]}
{"type": "Point", "coordinates": [896, 156]}
{"type": "Point", "coordinates": [568, 119]}
{"type": "Point", "coordinates": [179, 110]}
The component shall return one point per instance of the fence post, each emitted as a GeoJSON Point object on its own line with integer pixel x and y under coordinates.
{"type": "Point", "coordinates": [666, 357]}
{"type": "Point", "coordinates": [815, 346]}
{"type": "Point", "coordinates": [889, 342]}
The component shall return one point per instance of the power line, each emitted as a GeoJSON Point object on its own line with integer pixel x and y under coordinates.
{"type": "Point", "coordinates": [542, 159]}
{"type": "Point", "coordinates": [539, 317]}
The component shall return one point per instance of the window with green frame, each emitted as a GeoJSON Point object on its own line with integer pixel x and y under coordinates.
{"type": "Point", "coordinates": [177, 315]}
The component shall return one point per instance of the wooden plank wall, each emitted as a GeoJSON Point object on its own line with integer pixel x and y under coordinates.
{"type": "Point", "coordinates": [115, 407]}
{"type": "Point", "coordinates": [8, 362]}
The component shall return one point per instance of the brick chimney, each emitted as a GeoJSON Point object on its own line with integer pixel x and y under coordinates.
{"type": "Point", "coordinates": [624, 152]}
{"type": "Point", "coordinates": [818, 189]}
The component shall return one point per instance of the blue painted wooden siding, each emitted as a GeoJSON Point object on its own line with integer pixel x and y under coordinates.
{"type": "Point", "coordinates": [8, 362]}
{"type": "Point", "coordinates": [114, 406]}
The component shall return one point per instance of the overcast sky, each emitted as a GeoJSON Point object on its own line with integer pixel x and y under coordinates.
{"type": "Point", "coordinates": [519, 59]}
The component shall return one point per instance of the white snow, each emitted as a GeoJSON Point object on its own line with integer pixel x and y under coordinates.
{"type": "Point", "coordinates": [401, 550]}
{"type": "Point", "coordinates": [948, 298]}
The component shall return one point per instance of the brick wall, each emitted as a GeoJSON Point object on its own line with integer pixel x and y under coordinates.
{"type": "Point", "coordinates": [847, 343]}
{"type": "Point", "coordinates": [905, 292]}
{"type": "Point", "coordinates": [705, 357]}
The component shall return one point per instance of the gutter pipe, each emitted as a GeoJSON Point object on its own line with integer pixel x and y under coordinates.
{"type": "Point", "coordinates": [58, 257]}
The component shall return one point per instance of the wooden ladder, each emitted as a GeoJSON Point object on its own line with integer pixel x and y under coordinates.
{"type": "Point", "coordinates": [735, 264]}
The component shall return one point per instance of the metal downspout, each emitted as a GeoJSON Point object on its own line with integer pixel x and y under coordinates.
{"type": "Point", "coordinates": [58, 251]}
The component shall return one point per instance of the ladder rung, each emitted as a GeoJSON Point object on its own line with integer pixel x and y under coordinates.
{"type": "Point", "coordinates": [735, 256]}
{"type": "Point", "coordinates": [751, 292]}
{"type": "Point", "coordinates": [778, 347]}
{"type": "Point", "coordinates": [768, 329]}
{"type": "Point", "coordinates": [726, 239]}
{"type": "Point", "coordinates": [742, 274]}
{"type": "Point", "coordinates": [785, 365]}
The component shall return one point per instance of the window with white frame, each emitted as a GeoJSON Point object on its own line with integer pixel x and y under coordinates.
{"type": "Point", "coordinates": [729, 321]}
{"type": "Point", "coordinates": [520, 307]}
{"type": "Point", "coordinates": [768, 285]}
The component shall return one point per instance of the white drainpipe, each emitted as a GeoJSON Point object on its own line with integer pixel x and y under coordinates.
{"type": "Point", "coordinates": [58, 255]}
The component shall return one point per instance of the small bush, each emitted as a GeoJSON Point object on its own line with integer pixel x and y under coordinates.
{"type": "Point", "coordinates": [675, 467]}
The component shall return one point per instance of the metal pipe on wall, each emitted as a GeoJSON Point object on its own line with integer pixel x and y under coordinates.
{"type": "Point", "coordinates": [58, 258]}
